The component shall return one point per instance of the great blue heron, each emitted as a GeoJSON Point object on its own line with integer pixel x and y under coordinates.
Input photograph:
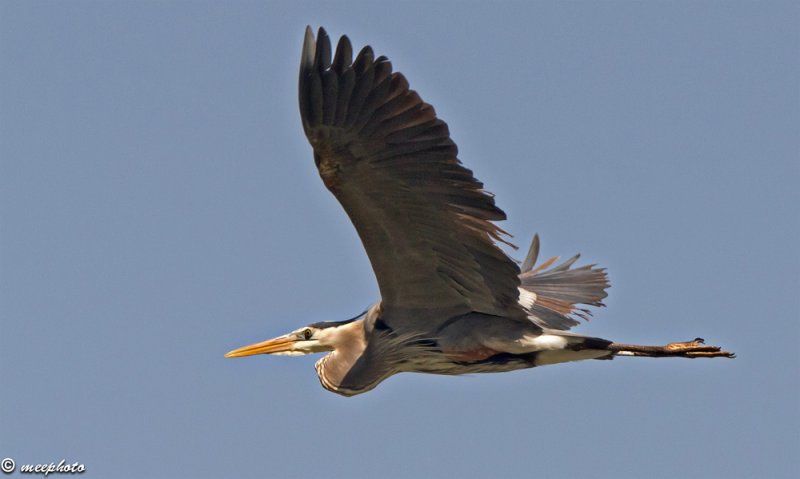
{"type": "Point", "coordinates": [451, 301]}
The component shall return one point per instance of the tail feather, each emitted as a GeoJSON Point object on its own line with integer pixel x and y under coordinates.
{"type": "Point", "coordinates": [557, 292]}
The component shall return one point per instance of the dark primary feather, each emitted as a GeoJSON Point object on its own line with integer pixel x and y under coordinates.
{"type": "Point", "coordinates": [425, 221]}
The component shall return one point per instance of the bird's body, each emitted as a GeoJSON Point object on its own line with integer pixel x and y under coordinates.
{"type": "Point", "coordinates": [451, 301]}
{"type": "Point", "coordinates": [470, 343]}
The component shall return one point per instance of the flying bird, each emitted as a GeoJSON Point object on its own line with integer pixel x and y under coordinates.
{"type": "Point", "coordinates": [452, 302]}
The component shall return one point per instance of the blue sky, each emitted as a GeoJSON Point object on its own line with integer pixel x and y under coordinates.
{"type": "Point", "coordinates": [160, 207]}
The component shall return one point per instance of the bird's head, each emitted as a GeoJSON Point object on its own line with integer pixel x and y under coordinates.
{"type": "Point", "coordinates": [314, 338]}
{"type": "Point", "coordinates": [301, 341]}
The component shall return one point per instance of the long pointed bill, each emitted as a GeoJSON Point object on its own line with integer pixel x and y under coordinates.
{"type": "Point", "coordinates": [283, 344]}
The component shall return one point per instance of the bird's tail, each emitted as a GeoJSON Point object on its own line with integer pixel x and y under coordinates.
{"type": "Point", "coordinates": [552, 296]}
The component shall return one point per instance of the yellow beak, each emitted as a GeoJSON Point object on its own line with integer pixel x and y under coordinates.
{"type": "Point", "coordinates": [278, 345]}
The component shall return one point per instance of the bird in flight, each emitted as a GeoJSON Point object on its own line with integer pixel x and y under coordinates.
{"type": "Point", "coordinates": [452, 302]}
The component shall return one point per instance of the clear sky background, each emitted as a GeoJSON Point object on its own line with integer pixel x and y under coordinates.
{"type": "Point", "coordinates": [160, 207]}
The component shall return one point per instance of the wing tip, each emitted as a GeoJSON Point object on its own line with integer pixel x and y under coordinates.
{"type": "Point", "coordinates": [343, 57]}
{"type": "Point", "coordinates": [309, 49]}
{"type": "Point", "coordinates": [322, 53]}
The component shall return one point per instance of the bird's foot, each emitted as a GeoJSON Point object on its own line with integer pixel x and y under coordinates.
{"type": "Point", "coordinates": [697, 349]}
{"type": "Point", "coordinates": [689, 349]}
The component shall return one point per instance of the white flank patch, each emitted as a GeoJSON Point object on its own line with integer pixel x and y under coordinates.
{"type": "Point", "coordinates": [526, 298]}
{"type": "Point", "coordinates": [547, 342]}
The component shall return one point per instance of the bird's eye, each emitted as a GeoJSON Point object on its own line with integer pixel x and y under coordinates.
{"type": "Point", "coordinates": [307, 333]}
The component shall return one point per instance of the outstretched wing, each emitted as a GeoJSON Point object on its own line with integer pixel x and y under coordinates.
{"type": "Point", "coordinates": [425, 221]}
